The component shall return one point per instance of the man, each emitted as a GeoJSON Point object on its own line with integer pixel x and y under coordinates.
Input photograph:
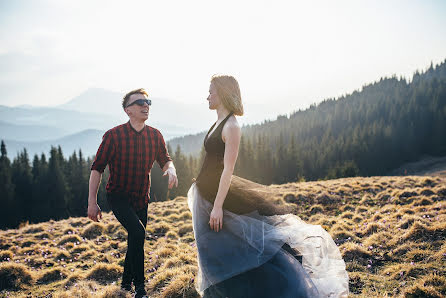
{"type": "Point", "coordinates": [130, 150]}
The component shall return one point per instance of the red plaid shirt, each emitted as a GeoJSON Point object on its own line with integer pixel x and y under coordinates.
{"type": "Point", "coordinates": [130, 155]}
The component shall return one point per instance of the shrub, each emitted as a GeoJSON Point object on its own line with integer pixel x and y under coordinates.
{"type": "Point", "coordinates": [72, 279]}
{"type": "Point", "coordinates": [316, 209]}
{"type": "Point", "coordinates": [105, 273]}
{"type": "Point", "coordinates": [427, 192]}
{"type": "Point", "coordinates": [165, 252]}
{"type": "Point", "coordinates": [436, 281]}
{"type": "Point", "coordinates": [42, 236]}
{"type": "Point", "coordinates": [428, 182]}
{"type": "Point", "coordinates": [79, 249]}
{"type": "Point", "coordinates": [423, 202]}
{"type": "Point", "coordinates": [172, 235]}
{"type": "Point", "coordinates": [185, 215]}
{"type": "Point", "coordinates": [355, 284]}
{"type": "Point", "coordinates": [421, 232]}
{"type": "Point", "coordinates": [70, 238]}
{"type": "Point", "coordinates": [161, 229]}
{"type": "Point", "coordinates": [184, 229]}
{"type": "Point", "coordinates": [290, 198]}
{"type": "Point", "coordinates": [161, 279]}
{"type": "Point", "coordinates": [408, 194]}
{"type": "Point", "coordinates": [68, 231]}
{"type": "Point", "coordinates": [61, 255]}
{"type": "Point", "coordinates": [347, 207]}
{"type": "Point", "coordinates": [33, 230]}
{"type": "Point", "coordinates": [180, 286]}
{"type": "Point", "coordinates": [93, 230]}
{"type": "Point", "coordinates": [361, 209]}
{"type": "Point", "coordinates": [28, 243]}
{"type": "Point", "coordinates": [357, 219]}
{"type": "Point", "coordinates": [77, 223]}
{"type": "Point", "coordinates": [14, 276]}
{"type": "Point", "coordinates": [82, 289]}
{"type": "Point", "coordinates": [417, 255]}
{"type": "Point", "coordinates": [169, 211]}
{"type": "Point", "coordinates": [120, 234]}
{"type": "Point", "coordinates": [51, 276]}
{"type": "Point", "coordinates": [354, 252]}
{"type": "Point", "coordinates": [417, 290]}
{"type": "Point", "coordinates": [367, 200]}
{"type": "Point", "coordinates": [347, 214]}
{"type": "Point", "coordinates": [371, 228]}
{"type": "Point", "coordinates": [5, 255]}
{"type": "Point", "coordinates": [114, 291]}
{"type": "Point", "coordinates": [325, 199]}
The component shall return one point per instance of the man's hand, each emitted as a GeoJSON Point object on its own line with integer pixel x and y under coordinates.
{"type": "Point", "coordinates": [94, 212]}
{"type": "Point", "coordinates": [173, 180]}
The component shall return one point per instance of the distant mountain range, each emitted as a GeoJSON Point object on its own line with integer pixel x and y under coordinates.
{"type": "Point", "coordinates": [81, 122]}
{"type": "Point", "coordinates": [97, 110]}
{"type": "Point", "coordinates": [87, 140]}
{"type": "Point", "coordinates": [173, 118]}
{"type": "Point", "coordinates": [58, 119]}
{"type": "Point", "coordinates": [30, 133]}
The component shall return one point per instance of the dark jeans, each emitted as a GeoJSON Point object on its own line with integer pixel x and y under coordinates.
{"type": "Point", "coordinates": [134, 221]}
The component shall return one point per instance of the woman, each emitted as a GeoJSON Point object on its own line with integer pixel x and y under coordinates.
{"type": "Point", "coordinates": [247, 245]}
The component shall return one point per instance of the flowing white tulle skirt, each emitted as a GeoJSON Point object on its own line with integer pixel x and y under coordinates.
{"type": "Point", "coordinates": [247, 257]}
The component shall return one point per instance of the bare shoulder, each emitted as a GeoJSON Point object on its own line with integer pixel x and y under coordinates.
{"type": "Point", "coordinates": [231, 128]}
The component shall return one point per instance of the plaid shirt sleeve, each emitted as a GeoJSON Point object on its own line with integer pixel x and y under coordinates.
{"type": "Point", "coordinates": [104, 154]}
{"type": "Point", "coordinates": [162, 156]}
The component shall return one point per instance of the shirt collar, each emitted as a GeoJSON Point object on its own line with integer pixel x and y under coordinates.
{"type": "Point", "coordinates": [141, 132]}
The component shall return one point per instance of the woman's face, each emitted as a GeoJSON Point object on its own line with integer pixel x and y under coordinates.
{"type": "Point", "coordinates": [213, 99]}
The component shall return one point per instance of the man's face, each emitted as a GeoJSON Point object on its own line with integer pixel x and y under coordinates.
{"type": "Point", "coordinates": [135, 111]}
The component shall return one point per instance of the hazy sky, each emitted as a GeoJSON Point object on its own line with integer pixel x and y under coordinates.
{"type": "Point", "coordinates": [286, 54]}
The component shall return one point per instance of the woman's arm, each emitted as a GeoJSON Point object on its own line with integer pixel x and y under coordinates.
{"type": "Point", "coordinates": [231, 136]}
{"type": "Point", "coordinates": [169, 169]}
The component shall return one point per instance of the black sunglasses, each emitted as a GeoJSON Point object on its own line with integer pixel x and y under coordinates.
{"type": "Point", "coordinates": [140, 102]}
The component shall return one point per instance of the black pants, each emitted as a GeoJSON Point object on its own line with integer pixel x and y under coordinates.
{"type": "Point", "coordinates": [135, 223]}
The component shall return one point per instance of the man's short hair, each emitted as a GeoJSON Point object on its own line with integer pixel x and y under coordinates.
{"type": "Point", "coordinates": [136, 91]}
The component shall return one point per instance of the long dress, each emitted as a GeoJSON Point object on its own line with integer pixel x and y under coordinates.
{"type": "Point", "coordinates": [262, 250]}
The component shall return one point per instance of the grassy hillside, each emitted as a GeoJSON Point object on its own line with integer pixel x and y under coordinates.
{"type": "Point", "coordinates": [390, 230]}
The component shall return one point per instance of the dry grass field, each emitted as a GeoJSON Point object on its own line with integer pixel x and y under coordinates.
{"type": "Point", "coordinates": [390, 230]}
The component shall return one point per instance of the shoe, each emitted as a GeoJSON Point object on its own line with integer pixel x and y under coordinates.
{"type": "Point", "coordinates": [140, 291]}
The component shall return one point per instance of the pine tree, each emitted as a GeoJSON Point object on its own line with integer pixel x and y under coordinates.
{"type": "Point", "coordinates": [57, 187]}
{"type": "Point", "coordinates": [281, 162]}
{"type": "Point", "coordinates": [183, 173]}
{"type": "Point", "coordinates": [23, 180]}
{"type": "Point", "coordinates": [6, 191]}
{"type": "Point", "coordinates": [77, 201]}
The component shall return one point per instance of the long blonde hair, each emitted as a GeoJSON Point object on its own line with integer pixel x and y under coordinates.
{"type": "Point", "coordinates": [228, 91]}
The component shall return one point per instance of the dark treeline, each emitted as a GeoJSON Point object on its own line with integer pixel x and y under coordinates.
{"type": "Point", "coordinates": [43, 189]}
{"type": "Point", "coordinates": [369, 132]}
{"type": "Point", "coordinates": [387, 124]}
{"type": "Point", "coordinates": [54, 187]}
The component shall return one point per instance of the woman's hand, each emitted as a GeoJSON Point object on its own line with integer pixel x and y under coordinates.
{"type": "Point", "coordinates": [216, 219]}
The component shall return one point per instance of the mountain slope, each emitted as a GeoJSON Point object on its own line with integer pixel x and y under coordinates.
{"type": "Point", "coordinates": [391, 232]}
{"type": "Point", "coordinates": [69, 121]}
{"type": "Point", "coordinates": [29, 133]}
{"type": "Point", "coordinates": [87, 140]}
{"type": "Point", "coordinates": [101, 101]}
{"type": "Point", "coordinates": [372, 131]}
